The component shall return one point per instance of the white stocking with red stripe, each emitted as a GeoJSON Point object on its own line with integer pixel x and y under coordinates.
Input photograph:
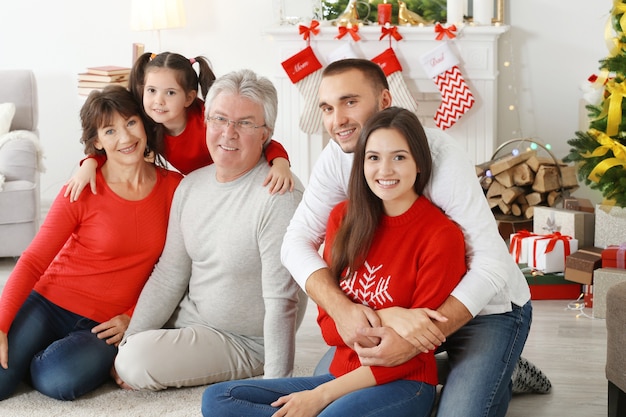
{"type": "Point", "coordinates": [456, 98]}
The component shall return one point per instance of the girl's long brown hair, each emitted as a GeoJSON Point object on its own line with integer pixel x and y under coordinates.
{"type": "Point", "coordinates": [364, 210]}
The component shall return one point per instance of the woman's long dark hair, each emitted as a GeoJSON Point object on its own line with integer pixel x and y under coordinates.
{"type": "Point", "coordinates": [364, 211]}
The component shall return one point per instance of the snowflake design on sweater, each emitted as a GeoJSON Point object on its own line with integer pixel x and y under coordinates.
{"type": "Point", "coordinates": [368, 288]}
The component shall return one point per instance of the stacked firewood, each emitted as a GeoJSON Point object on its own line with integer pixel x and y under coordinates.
{"type": "Point", "coordinates": [516, 183]}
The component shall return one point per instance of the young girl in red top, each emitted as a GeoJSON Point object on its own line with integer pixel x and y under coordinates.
{"type": "Point", "coordinates": [390, 248]}
{"type": "Point", "coordinates": [167, 87]}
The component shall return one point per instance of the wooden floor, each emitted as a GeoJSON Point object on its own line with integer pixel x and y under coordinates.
{"type": "Point", "coordinates": [569, 347]}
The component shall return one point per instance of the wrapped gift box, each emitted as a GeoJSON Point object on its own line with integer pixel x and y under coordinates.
{"type": "Point", "coordinates": [518, 246]}
{"type": "Point", "coordinates": [551, 287]}
{"type": "Point", "coordinates": [610, 226]}
{"type": "Point", "coordinates": [579, 266]}
{"type": "Point", "coordinates": [614, 257]}
{"type": "Point", "coordinates": [578, 224]}
{"type": "Point", "coordinates": [547, 253]}
{"type": "Point", "coordinates": [507, 225]}
{"type": "Point", "coordinates": [603, 279]}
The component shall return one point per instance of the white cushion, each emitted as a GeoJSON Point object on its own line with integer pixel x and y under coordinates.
{"type": "Point", "coordinates": [7, 111]}
{"type": "Point", "coordinates": [18, 158]}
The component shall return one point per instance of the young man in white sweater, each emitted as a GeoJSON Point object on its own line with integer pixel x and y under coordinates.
{"type": "Point", "coordinates": [483, 325]}
{"type": "Point", "coordinates": [219, 305]}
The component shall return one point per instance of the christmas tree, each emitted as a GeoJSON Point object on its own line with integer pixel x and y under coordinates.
{"type": "Point", "coordinates": [600, 152]}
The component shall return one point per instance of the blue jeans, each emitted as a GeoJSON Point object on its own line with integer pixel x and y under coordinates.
{"type": "Point", "coordinates": [251, 398]}
{"type": "Point", "coordinates": [481, 358]}
{"type": "Point", "coordinates": [55, 350]}
{"type": "Point", "coordinates": [482, 355]}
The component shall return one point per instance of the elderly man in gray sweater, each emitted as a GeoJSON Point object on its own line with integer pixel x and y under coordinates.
{"type": "Point", "coordinates": [219, 305]}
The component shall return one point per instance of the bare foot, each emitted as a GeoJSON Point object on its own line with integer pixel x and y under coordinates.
{"type": "Point", "coordinates": [118, 380]}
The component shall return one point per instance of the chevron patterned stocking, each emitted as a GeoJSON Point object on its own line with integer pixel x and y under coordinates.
{"type": "Point", "coordinates": [456, 97]}
{"type": "Point", "coordinates": [442, 65]}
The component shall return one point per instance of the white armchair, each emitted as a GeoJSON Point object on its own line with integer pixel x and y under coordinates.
{"type": "Point", "coordinates": [20, 162]}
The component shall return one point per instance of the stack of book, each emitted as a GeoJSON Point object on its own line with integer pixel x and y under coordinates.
{"type": "Point", "coordinates": [96, 78]}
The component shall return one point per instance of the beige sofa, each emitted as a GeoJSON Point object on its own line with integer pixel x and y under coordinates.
{"type": "Point", "coordinates": [20, 162]}
{"type": "Point", "coordinates": [616, 349]}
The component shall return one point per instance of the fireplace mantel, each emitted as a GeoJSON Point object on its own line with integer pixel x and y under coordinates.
{"type": "Point", "coordinates": [476, 47]}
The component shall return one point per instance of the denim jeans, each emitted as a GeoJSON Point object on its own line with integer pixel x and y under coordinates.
{"type": "Point", "coordinates": [482, 355]}
{"type": "Point", "coordinates": [481, 358]}
{"type": "Point", "coordinates": [251, 398]}
{"type": "Point", "coordinates": [55, 350]}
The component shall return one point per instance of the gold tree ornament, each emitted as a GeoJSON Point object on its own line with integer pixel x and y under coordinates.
{"type": "Point", "coordinates": [407, 17]}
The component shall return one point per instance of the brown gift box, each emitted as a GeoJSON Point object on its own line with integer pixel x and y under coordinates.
{"type": "Point", "coordinates": [579, 204]}
{"type": "Point", "coordinates": [579, 266]}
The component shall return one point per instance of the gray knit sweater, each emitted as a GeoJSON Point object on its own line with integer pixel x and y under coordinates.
{"type": "Point", "coordinates": [221, 265]}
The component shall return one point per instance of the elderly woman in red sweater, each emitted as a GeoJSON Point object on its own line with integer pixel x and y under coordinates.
{"type": "Point", "coordinates": [68, 302]}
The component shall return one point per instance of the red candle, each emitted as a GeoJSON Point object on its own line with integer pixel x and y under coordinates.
{"type": "Point", "coordinates": [384, 13]}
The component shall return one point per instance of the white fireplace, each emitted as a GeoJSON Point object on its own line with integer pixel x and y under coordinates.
{"type": "Point", "coordinates": [476, 47]}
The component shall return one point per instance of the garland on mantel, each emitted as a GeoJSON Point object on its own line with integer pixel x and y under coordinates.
{"type": "Point", "coordinates": [434, 10]}
{"type": "Point", "coordinates": [600, 152]}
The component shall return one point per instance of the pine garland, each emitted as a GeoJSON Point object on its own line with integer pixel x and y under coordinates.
{"type": "Point", "coordinates": [600, 157]}
{"type": "Point", "coordinates": [434, 10]}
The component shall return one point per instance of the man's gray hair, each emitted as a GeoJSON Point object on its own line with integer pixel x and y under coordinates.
{"type": "Point", "coordinates": [248, 84]}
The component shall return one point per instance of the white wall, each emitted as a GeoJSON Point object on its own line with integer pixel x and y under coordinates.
{"type": "Point", "coordinates": [552, 49]}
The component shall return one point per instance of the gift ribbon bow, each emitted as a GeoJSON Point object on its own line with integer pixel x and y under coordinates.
{"type": "Point", "coordinates": [306, 31]}
{"type": "Point", "coordinates": [352, 30]}
{"type": "Point", "coordinates": [516, 243]}
{"type": "Point", "coordinates": [391, 31]}
{"type": "Point", "coordinates": [442, 31]}
{"type": "Point", "coordinates": [606, 144]}
{"type": "Point", "coordinates": [553, 239]}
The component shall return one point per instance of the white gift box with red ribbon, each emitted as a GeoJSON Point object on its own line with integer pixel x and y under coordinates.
{"type": "Point", "coordinates": [547, 253]}
{"type": "Point", "coordinates": [518, 246]}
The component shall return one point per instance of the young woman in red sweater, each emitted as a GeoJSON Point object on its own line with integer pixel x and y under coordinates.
{"type": "Point", "coordinates": [168, 87]}
{"type": "Point", "coordinates": [390, 248]}
{"type": "Point", "coordinates": [68, 301]}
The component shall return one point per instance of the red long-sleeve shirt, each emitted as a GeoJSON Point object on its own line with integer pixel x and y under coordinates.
{"type": "Point", "coordinates": [416, 260]}
{"type": "Point", "coordinates": [93, 256]}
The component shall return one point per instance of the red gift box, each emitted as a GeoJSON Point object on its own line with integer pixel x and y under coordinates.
{"type": "Point", "coordinates": [614, 257]}
{"type": "Point", "coordinates": [555, 292]}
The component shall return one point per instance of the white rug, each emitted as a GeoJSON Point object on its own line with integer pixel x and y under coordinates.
{"type": "Point", "coordinates": [110, 401]}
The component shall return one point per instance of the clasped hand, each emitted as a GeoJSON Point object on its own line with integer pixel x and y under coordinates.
{"type": "Point", "coordinates": [391, 336]}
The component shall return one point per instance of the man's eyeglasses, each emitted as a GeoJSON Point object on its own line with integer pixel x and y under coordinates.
{"type": "Point", "coordinates": [219, 122]}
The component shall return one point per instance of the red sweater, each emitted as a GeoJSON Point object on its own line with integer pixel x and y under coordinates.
{"type": "Point", "coordinates": [416, 260]}
{"type": "Point", "coordinates": [188, 151]}
{"type": "Point", "coordinates": [92, 257]}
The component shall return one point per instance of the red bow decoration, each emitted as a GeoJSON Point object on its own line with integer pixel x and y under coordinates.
{"type": "Point", "coordinates": [441, 31]}
{"type": "Point", "coordinates": [553, 238]}
{"type": "Point", "coordinates": [516, 243]}
{"type": "Point", "coordinates": [353, 31]}
{"type": "Point", "coordinates": [307, 30]}
{"type": "Point", "coordinates": [391, 31]}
